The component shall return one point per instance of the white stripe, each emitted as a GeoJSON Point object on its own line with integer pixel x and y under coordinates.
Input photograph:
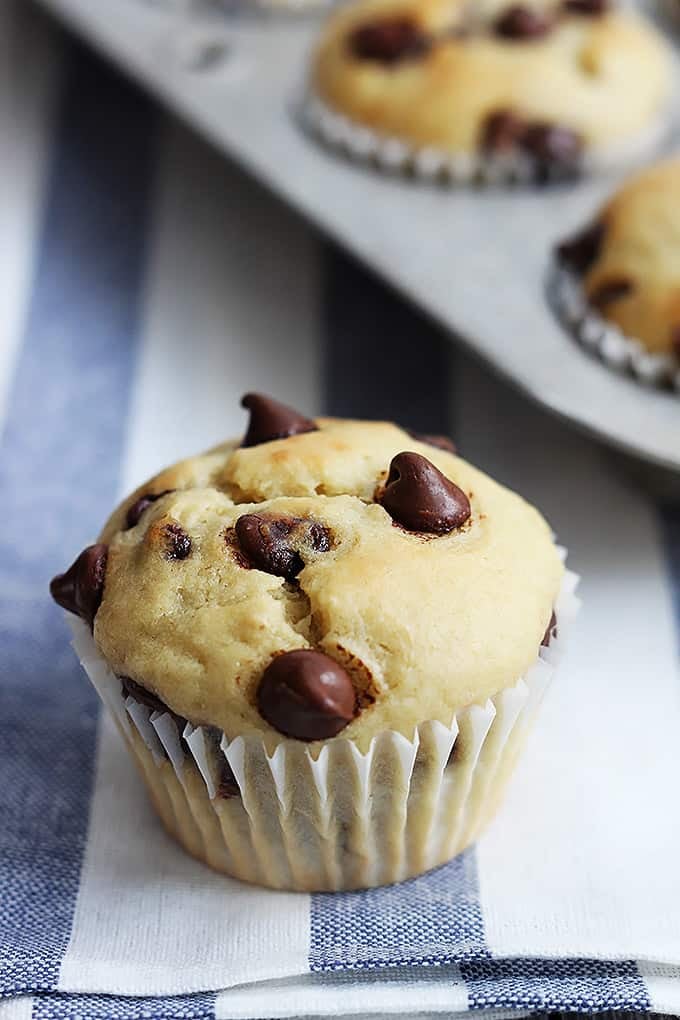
{"type": "Point", "coordinates": [20, 1008]}
{"type": "Point", "coordinates": [663, 986]}
{"type": "Point", "coordinates": [231, 306]}
{"type": "Point", "coordinates": [30, 62]}
{"type": "Point", "coordinates": [149, 920]}
{"type": "Point", "coordinates": [582, 859]}
{"type": "Point", "coordinates": [406, 991]}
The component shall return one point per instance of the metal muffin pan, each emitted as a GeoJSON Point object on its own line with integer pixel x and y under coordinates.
{"type": "Point", "coordinates": [475, 259]}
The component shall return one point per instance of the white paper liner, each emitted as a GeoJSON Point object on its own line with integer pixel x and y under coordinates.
{"type": "Point", "coordinates": [393, 155]}
{"type": "Point", "coordinates": [346, 820]}
{"type": "Point", "coordinates": [622, 353]}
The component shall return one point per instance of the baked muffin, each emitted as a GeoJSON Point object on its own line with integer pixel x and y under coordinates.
{"type": "Point", "coordinates": [323, 645]}
{"type": "Point", "coordinates": [626, 265]}
{"type": "Point", "coordinates": [537, 90]}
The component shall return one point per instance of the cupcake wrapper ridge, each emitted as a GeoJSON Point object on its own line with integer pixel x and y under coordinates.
{"type": "Point", "coordinates": [622, 353]}
{"type": "Point", "coordinates": [342, 819]}
{"type": "Point", "coordinates": [393, 155]}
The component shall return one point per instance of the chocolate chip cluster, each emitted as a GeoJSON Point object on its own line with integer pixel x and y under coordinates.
{"type": "Point", "coordinates": [302, 693]}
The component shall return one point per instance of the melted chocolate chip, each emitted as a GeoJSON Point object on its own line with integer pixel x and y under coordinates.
{"type": "Point", "coordinates": [272, 543]}
{"type": "Point", "coordinates": [177, 542]}
{"type": "Point", "coordinates": [579, 253]}
{"type": "Point", "coordinates": [441, 442]}
{"type": "Point", "coordinates": [389, 41]}
{"type": "Point", "coordinates": [501, 131]}
{"type": "Point", "coordinates": [306, 695]}
{"type": "Point", "coordinates": [80, 589]}
{"type": "Point", "coordinates": [143, 503]}
{"type": "Point", "coordinates": [265, 542]}
{"type": "Point", "coordinates": [520, 22]}
{"type": "Point", "coordinates": [228, 786]}
{"type": "Point", "coordinates": [589, 8]}
{"type": "Point", "coordinates": [555, 150]}
{"type": "Point", "coordinates": [610, 291]}
{"type": "Point", "coordinates": [271, 420]}
{"type": "Point", "coordinates": [551, 631]}
{"type": "Point", "coordinates": [420, 498]}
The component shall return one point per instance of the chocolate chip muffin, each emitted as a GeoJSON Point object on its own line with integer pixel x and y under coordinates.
{"type": "Point", "coordinates": [626, 265]}
{"type": "Point", "coordinates": [323, 644]}
{"type": "Point", "coordinates": [535, 91]}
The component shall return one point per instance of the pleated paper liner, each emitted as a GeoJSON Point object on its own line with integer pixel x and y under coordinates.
{"type": "Point", "coordinates": [624, 354]}
{"type": "Point", "coordinates": [361, 144]}
{"type": "Point", "coordinates": [342, 820]}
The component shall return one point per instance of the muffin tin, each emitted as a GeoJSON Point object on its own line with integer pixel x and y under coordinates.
{"type": "Point", "coordinates": [477, 261]}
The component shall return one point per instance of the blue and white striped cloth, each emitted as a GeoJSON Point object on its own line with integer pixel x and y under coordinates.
{"type": "Point", "coordinates": [146, 284]}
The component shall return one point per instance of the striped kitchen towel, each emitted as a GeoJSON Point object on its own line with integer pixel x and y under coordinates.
{"type": "Point", "coordinates": [146, 284]}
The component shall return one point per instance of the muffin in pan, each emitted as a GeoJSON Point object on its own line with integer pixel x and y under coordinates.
{"type": "Point", "coordinates": [323, 645]}
{"type": "Point", "coordinates": [491, 90]}
{"type": "Point", "coordinates": [617, 283]}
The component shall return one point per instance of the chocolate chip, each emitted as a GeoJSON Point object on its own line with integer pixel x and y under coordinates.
{"type": "Point", "coordinates": [272, 543]}
{"type": "Point", "coordinates": [520, 22]}
{"type": "Point", "coordinates": [143, 503]}
{"type": "Point", "coordinates": [551, 631]}
{"type": "Point", "coordinates": [80, 589]}
{"type": "Point", "coordinates": [675, 340]}
{"type": "Point", "coordinates": [228, 786]}
{"type": "Point", "coordinates": [307, 695]}
{"type": "Point", "coordinates": [271, 420]}
{"type": "Point", "coordinates": [177, 542]}
{"type": "Point", "coordinates": [389, 41]}
{"type": "Point", "coordinates": [555, 151]}
{"type": "Point", "coordinates": [590, 8]}
{"type": "Point", "coordinates": [501, 131]}
{"type": "Point", "coordinates": [579, 253]}
{"type": "Point", "coordinates": [607, 293]}
{"type": "Point", "coordinates": [441, 442]}
{"type": "Point", "coordinates": [264, 540]}
{"type": "Point", "coordinates": [420, 498]}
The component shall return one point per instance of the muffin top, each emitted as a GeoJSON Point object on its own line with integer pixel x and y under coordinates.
{"type": "Point", "coordinates": [405, 582]}
{"type": "Point", "coordinates": [629, 259]}
{"type": "Point", "coordinates": [551, 78]}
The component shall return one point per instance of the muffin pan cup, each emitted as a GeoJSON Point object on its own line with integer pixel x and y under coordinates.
{"type": "Point", "coordinates": [330, 818]}
{"type": "Point", "coordinates": [605, 340]}
{"type": "Point", "coordinates": [361, 144]}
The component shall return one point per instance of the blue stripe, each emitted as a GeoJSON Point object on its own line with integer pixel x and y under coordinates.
{"type": "Point", "coordinates": [429, 920]}
{"type": "Point", "coordinates": [382, 358]}
{"type": "Point", "coordinates": [107, 1007]}
{"type": "Point", "coordinates": [59, 466]}
{"type": "Point", "coordinates": [586, 986]}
